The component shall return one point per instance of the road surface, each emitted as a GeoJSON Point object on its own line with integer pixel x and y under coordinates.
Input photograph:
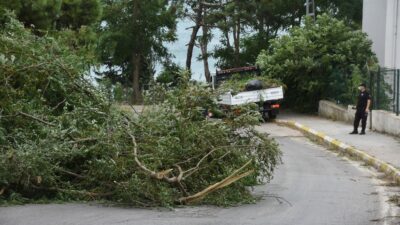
{"type": "Point", "coordinates": [312, 187]}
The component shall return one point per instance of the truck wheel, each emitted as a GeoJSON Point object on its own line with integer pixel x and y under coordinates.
{"type": "Point", "coordinates": [271, 116]}
{"type": "Point", "coordinates": [265, 117]}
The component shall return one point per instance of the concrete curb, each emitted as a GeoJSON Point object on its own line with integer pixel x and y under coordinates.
{"type": "Point", "coordinates": [378, 164]}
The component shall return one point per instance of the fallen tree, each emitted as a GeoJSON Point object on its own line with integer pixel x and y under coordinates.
{"type": "Point", "coordinates": [61, 138]}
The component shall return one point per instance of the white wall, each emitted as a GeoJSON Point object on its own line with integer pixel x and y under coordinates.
{"type": "Point", "coordinates": [382, 121]}
{"type": "Point", "coordinates": [381, 21]}
{"type": "Point", "coordinates": [392, 56]}
{"type": "Point", "coordinates": [374, 24]}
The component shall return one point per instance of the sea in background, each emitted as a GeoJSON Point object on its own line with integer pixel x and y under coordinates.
{"type": "Point", "coordinates": [179, 50]}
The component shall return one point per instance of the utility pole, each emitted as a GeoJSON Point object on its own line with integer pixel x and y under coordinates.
{"type": "Point", "coordinates": [310, 8]}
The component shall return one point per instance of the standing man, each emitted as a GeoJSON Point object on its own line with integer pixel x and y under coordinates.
{"type": "Point", "coordinates": [363, 104]}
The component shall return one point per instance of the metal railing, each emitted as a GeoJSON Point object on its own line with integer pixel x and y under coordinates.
{"type": "Point", "coordinates": [385, 89]}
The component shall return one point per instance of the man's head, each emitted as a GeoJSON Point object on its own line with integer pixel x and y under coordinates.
{"type": "Point", "coordinates": [362, 87]}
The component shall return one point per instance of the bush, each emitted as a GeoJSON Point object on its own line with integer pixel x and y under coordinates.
{"type": "Point", "coordinates": [60, 138]}
{"type": "Point", "coordinates": [321, 60]}
{"type": "Point", "coordinates": [170, 75]}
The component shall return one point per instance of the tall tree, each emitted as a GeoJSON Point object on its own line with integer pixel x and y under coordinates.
{"type": "Point", "coordinates": [198, 12]}
{"type": "Point", "coordinates": [77, 13]}
{"type": "Point", "coordinates": [133, 36]}
{"type": "Point", "coordinates": [55, 14]}
{"type": "Point", "coordinates": [235, 21]}
{"type": "Point", "coordinates": [324, 59]}
{"type": "Point", "coordinates": [204, 40]}
{"type": "Point", "coordinates": [248, 26]}
{"type": "Point", "coordinates": [348, 10]}
{"type": "Point", "coordinates": [196, 15]}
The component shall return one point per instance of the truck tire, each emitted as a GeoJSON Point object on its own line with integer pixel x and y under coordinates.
{"type": "Point", "coordinates": [271, 116]}
{"type": "Point", "coordinates": [265, 116]}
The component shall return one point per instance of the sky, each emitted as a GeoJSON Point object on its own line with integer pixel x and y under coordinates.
{"type": "Point", "coordinates": [179, 50]}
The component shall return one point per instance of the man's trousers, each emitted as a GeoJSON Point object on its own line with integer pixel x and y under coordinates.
{"type": "Point", "coordinates": [363, 117]}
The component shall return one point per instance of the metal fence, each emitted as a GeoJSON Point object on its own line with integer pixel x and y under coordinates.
{"type": "Point", "coordinates": [385, 89]}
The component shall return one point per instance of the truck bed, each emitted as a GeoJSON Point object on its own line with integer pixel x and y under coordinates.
{"type": "Point", "coordinates": [244, 97]}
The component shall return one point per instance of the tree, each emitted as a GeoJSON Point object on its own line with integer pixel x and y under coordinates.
{"type": "Point", "coordinates": [198, 11]}
{"type": "Point", "coordinates": [69, 21]}
{"type": "Point", "coordinates": [77, 13]}
{"type": "Point", "coordinates": [47, 15]}
{"type": "Point", "coordinates": [321, 60]}
{"type": "Point", "coordinates": [170, 75]}
{"type": "Point", "coordinates": [232, 21]}
{"type": "Point", "coordinates": [197, 17]}
{"type": "Point", "coordinates": [348, 10]}
{"type": "Point", "coordinates": [133, 32]}
{"type": "Point", "coordinates": [40, 14]}
{"type": "Point", "coordinates": [264, 20]}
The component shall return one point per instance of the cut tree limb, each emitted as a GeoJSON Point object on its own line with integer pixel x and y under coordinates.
{"type": "Point", "coordinates": [37, 119]}
{"type": "Point", "coordinates": [197, 167]}
{"type": "Point", "coordinates": [163, 175]}
{"type": "Point", "coordinates": [225, 182]}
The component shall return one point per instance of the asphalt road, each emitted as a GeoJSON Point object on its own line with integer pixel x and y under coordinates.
{"type": "Point", "coordinates": [312, 187]}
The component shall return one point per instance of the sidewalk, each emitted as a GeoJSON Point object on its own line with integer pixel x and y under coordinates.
{"type": "Point", "coordinates": [380, 146]}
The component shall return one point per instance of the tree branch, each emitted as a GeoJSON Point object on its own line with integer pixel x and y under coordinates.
{"type": "Point", "coordinates": [163, 175]}
{"type": "Point", "coordinates": [37, 119]}
{"type": "Point", "coordinates": [225, 182]}
{"type": "Point", "coordinates": [71, 173]}
{"type": "Point", "coordinates": [197, 167]}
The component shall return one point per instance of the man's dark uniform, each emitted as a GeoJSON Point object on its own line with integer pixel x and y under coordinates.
{"type": "Point", "coordinates": [360, 113]}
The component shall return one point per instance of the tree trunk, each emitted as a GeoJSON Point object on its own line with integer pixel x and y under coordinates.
{"type": "Point", "coordinates": [204, 48]}
{"type": "Point", "coordinates": [136, 63]}
{"type": "Point", "coordinates": [195, 30]}
{"type": "Point", "coordinates": [137, 94]}
{"type": "Point", "coordinates": [226, 33]}
{"type": "Point", "coordinates": [236, 39]}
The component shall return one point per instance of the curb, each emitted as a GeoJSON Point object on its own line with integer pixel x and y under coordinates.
{"type": "Point", "coordinates": [378, 164]}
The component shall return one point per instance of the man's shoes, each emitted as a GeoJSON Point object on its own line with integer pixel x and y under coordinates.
{"type": "Point", "coordinates": [362, 133]}
{"type": "Point", "coordinates": [354, 132]}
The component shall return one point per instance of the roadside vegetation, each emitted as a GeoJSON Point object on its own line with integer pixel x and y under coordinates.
{"type": "Point", "coordinates": [66, 66]}
{"type": "Point", "coordinates": [325, 59]}
{"type": "Point", "coordinates": [63, 139]}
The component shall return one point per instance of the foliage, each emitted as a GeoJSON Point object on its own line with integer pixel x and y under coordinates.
{"type": "Point", "coordinates": [62, 139]}
{"type": "Point", "coordinates": [115, 91]}
{"type": "Point", "coordinates": [77, 13]}
{"type": "Point", "coordinates": [171, 74]}
{"type": "Point", "coordinates": [256, 22]}
{"type": "Point", "coordinates": [133, 33]}
{"type": "Point", "coordinates": [55, 14]}
{"type": "Point", "coordinates": [348, 10]}
{"type": "Point", "coordinates": [69, 21]}
{"type": "Point", "coordinates": [321, 60]}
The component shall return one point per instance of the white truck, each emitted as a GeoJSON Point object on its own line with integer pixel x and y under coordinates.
{"type": "Point", "coordinates": [268, 99]}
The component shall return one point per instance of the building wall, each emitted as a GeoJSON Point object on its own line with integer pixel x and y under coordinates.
{"type": "Point", "coordinates": [381, 21]}
{"type": "Point", "coordinates": [392, 54]}
{"type": "Point", "coordinates": [374, 24]}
